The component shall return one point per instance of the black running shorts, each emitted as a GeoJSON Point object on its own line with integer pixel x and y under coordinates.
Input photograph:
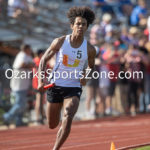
{"type": "Point", "coordinates": [57, 94]}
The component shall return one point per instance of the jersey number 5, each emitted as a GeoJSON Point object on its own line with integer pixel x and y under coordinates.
{"type": "Point", "coordinates": [79, 54]}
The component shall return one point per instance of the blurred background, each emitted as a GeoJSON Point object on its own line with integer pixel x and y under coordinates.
{"type": "Point", "coordinates": [120, 35]}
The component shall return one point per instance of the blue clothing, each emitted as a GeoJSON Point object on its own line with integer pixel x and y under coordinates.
{"type": "Point", "coordinates": [18, 108]}
{"type": "Point", "coordinates": [98, 1]}
{"type": "Point", "coordinates": [122, 2]}
{"type": "Point", "coordinates": [135, 14]}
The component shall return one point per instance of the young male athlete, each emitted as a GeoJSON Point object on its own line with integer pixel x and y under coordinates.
{"type": "Point", "coordinates": [72, 51]}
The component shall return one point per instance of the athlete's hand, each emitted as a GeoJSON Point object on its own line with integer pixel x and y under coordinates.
{"type": "Point", "coordinates": [83, 81]}
{"type": "Point", "coordinates": [41, 87]}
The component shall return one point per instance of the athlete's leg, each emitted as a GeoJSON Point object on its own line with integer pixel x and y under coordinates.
{"type": "Point", "coordinates": [53, 114]}
{"type": "Point", "coordinates": [70, 108]}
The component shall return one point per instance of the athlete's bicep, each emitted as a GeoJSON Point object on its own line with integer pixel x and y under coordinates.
{"type": "Point", "coordinates": [51, 51]}
{"type": "Point", "coordinates": [53, 48]}
{"type": "Point", "coordinates": [91, 56]}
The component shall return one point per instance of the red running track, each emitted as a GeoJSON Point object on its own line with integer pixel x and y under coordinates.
{"type": "Point", "coordinates": [85, 135]}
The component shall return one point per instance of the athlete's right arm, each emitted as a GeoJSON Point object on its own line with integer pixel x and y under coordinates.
{"type": "Point", "coordinates": [50, 52]}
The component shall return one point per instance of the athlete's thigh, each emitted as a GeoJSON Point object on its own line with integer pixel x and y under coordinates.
{"type": "Point", "coordinates": [53, 113]}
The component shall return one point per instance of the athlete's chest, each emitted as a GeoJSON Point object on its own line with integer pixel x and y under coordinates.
{"type": "Point", "coordinates": [73, 57]}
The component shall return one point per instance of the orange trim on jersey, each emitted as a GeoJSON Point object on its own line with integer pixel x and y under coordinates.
{"type": "Point", "coordinates": [65, 62]}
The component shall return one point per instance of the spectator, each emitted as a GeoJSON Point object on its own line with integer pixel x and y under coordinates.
{"type": "Point", "coordinates": [121, 90]}
{"type": "Point", "coordinates": [126, 7]}
{"type": "Point", "coordinates": [145, 95]}
{"type": "Point", "coordinates": [115, 6]}
{"type": "Point", "coordinates": [32, 6]}
{"type": "Point", "coordinates": [133, 36]}
{"type": "Point", "coordinates": [20, 85]}
{"type": "Point", "coordinates": [17, 7]}
{"type": "Point", "coordinates": [139, 12]}
{"type": "Point", "coordinates": [100, 4]}
{"type": "Point", "coordinates": [40, 115]}
{"type": "Point", "coordinates": [147, 80]}
{"type": "Point", "coordinates": [123, 86]}
{"type": "Point", "coordinates": [106, 27]}
{"type": "Point", "coordinates": [40, 96]}
{"type": "Point", "coordinates": [124, 35]}
{"type": "Point", "coordinates": [108, 6]}
{"type": "Point", "coordinates": [95, 33]}
{"type": "Point", "coordinates": [103, 80]}
{"type": "Point", "coordinates": [109, 62]}
{"type": "Point", "coordinates": [113, 65]}
{"type": "Point", "coordinates": [92, 94]}
{"type": "Point", "coordinates": [134, 61]}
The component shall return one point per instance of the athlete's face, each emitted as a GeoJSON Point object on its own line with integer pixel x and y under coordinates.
{"type": "Point", "coordinates": [80, 26]}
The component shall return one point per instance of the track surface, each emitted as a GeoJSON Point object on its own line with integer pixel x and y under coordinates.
{"type": "Point", "coordinates": [86, 135]}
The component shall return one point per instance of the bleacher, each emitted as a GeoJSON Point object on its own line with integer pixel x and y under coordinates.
{"type": "Point", "coordinates": [39, 29]}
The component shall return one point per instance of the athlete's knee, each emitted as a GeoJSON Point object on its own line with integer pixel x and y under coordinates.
{"type": "Point", "coordinates": [67, 120]}
{"type": "Point", "coordinates": [66, 124]}
{"type": "Point", "coordinates": [69, 114]}
{"type": "Point", "coordinates": [68, 117]}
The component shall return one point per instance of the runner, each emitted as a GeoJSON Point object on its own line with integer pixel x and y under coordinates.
{"type": "Point", "coordinates": [72, 52]}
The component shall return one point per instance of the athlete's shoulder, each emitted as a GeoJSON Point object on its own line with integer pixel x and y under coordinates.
{"type": "Point", "coordinates": [58, 42]}
{"type": "Point", "coordinates": [62, 38]}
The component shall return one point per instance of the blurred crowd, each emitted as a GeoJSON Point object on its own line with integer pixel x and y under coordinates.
{"type": "Point", "coordinates": [22, 8]}
{"type": "Point", "coordinates": [121, 36]}
{"type": "Point", "coordinates": [15, 8]}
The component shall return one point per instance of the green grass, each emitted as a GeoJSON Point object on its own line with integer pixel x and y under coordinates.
{"type": "Point", "coordinates": [143, 148]}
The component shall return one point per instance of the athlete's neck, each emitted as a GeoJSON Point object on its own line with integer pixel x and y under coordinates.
{"type": "Point", "coordinates": [76, 40]}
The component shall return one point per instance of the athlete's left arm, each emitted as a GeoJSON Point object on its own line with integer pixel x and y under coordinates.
{"type": "Point", "coordinates": [91, 63]}
{"type": "Point", "coordinates": [91, 56]}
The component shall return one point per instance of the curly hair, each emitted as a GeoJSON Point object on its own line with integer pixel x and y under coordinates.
{"type": "Point", "coordinates": [84, 12]}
